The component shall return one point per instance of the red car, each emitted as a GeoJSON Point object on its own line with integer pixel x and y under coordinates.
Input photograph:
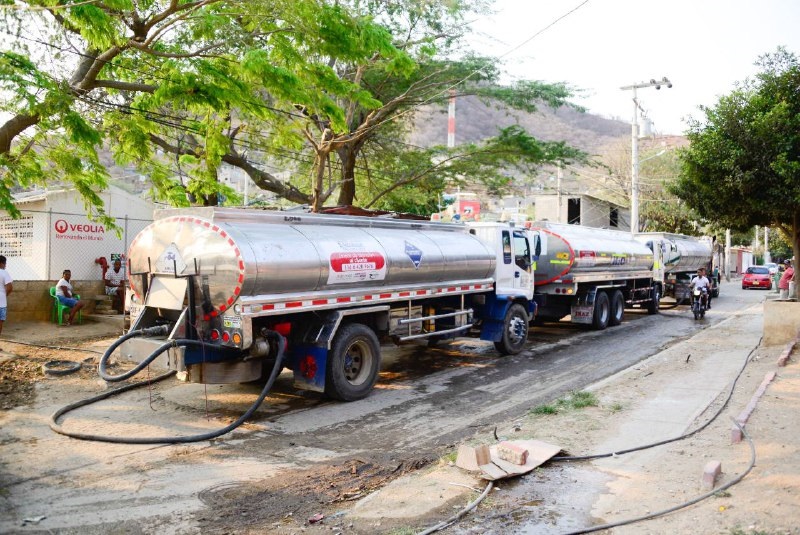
{"type": "Point", "coordinates": [757, 277]}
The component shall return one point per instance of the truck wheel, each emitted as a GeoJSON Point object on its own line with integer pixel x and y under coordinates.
{"type": "Point", "coordinates": [515, 331]}
{"type": "Point", "coordinates": [655, 301]}
{"type": "Point", "coordinates": [353, 363]}
{"type": "Point", "coordinates": [602, 311]}
{"type": "Point", "coordinates": [617, 308]}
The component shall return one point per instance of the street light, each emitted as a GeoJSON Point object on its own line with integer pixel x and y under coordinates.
{"type": "Point", "coordinates": [635, 146]}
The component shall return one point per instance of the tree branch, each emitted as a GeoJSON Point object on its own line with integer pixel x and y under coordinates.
{"type": "Point", "coordinates": [13, 127]}
{"type": "Point", "coordinates": [126, 86]}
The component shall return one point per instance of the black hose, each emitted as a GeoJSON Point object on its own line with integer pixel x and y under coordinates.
{"type": "Point", "coordinates": [61, 367]}
{"type": "Point", "coordinates": [683, 505]}
{"type": "Point", "coordinates": [168, 440]}
{"type": "Point", "coordinates": [151, 331]}
{"type": "Point", "coordinates": [669, 440]}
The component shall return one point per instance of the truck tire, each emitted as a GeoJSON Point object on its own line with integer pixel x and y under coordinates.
{"type": "Point", "coordinates": [617, 308]}
{"type": "Point", "coordinates": [353, 363]}
{"type": "Point", "coordinates": [515, 331]}
{"type": "Point", "coordinates": [602, 311]}
{"type": "Point", "coordinates": [655, 300]}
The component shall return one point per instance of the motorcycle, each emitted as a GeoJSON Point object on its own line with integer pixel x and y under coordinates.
{"type": "Point", "coordinates": [699, 302]}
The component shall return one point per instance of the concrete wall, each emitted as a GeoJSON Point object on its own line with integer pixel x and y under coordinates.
{"type": "Point", "coordinates": [31, 301]}
{"type": "Point", "coordinates": [781, 321]}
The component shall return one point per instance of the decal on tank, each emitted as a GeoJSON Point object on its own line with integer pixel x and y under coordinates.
{"type": "Point", "coordinates": [414, 254]}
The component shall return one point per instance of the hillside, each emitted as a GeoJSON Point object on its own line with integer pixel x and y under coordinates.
{"type": "Point", "coordinates": [476, 121]}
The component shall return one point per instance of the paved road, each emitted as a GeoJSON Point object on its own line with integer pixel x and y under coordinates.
{"type": "Point", "coordinates": [426, 400]}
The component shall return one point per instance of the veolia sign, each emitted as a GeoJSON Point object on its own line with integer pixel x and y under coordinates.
{"type": "Point", "coordinates": [78, 231]}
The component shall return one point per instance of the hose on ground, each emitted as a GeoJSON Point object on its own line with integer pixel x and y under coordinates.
{"type": "Point", "coordinates": [683, 505]}
{"type": "Point", "coordinates": [61, 367]}
{"type": "Point", "coordinates": [669, 440]}
{"type": "Point", "coordinates": [456, 517]}
{"type": "Point", "coordinates": [150, 331]}
{"type": "Point", "coordinates": [54, 425]}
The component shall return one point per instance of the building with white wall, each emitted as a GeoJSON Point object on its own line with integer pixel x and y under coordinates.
{"type": "Point", "coordinates": [54, 233]}
{"type": "Point", "coordinates": [584, 210]}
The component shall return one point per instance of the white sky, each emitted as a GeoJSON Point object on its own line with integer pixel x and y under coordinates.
{"type": "Point", "coordinates": [702, 46]}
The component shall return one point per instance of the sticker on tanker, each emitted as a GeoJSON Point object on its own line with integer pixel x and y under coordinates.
{"type": "Point", "coordinates": [170, 261]}
{"type": "Point", "coordinates": [356, 267]}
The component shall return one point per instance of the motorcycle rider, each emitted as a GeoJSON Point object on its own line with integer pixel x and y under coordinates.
{"type": "Point", "coordinates": [701, 282]}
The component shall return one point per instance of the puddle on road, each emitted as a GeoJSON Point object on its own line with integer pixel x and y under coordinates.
{"type": "Point", "coordinates": [546, 501]}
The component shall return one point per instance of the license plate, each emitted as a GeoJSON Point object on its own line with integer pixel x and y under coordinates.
{"type": "Point", "coordinates": [755, 283]}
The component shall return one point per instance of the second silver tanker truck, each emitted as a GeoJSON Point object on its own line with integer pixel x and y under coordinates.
{"type": "Point", "coordinates": [592, 275]}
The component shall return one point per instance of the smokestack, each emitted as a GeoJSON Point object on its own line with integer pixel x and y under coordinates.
{"type": "Point", "coordinates": [451, 120]}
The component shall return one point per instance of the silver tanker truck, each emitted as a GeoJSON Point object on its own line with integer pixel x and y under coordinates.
{"type": "Point", "coordinates": [677, 258]}
{"type": "Point", "coordinates": [592, 274]}
{"type": "Point", "coordinates": [219, 293]}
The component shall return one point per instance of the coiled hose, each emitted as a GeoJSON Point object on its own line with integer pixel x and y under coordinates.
{"type": "Point", "coordinates": [55, 426]}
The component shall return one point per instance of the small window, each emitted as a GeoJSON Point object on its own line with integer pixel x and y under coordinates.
{"type": "Point", "coordinates": [506, 247]}
{"type": "Point", "coordinates": [522, 251]}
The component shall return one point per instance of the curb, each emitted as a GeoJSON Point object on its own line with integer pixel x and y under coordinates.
{"type": "Point", "coordinates": [787, 351]}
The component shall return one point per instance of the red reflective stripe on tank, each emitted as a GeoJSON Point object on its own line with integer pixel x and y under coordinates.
{"type": "Point", "coordinates": [206, 224]}
{"type": "Point", "coordinates": [236, 250]}
{"type": "Point", "coordinates": [222, 233]}
{"type": "Point", "coordinates": [465, 287]}
{"type": "Point", "coordinates": [241, 265]}
{"type": "Point", "coordinates": [405, 294]}
{"type": "Point", "coordinates": [237, 290]}
{"type": "Point", "coordinates": [222, 308]}
{"type": "Point", "coordinates": [230, 301]}
{"type": "Point", "coordinates": [319, 302]}
{"type": "Point", "coordinates": [422, 292]}
{"type": "Point", "coordinates": [384, 296]}
{"type": "Point", "coordinates": [241, 278]}
{"type": "Point", "coordinates": [214, 313]}
{"type": "Point", "coordinates": [294, 304]}
{"type": "Point", "coordinates": [268, 307]}
{"type": "Point", "coordinates": [367, 298]}
{"type": "Point", "coordinates": [230, 241]}
{"type": "Point", "coordinates": [451, 289]}
{"type": "Point", "coordinates": [344, 299]}
{"type": "Point", "coordinates": [206, 317]}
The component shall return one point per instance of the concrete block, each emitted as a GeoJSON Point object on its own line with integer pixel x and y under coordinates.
{"type": "Point", "coordinates": [711, 472]}
{"type": "Point", "coordinates": [783, 359]}
{"type": "Point", "coordinates": [471, 458]}
{"type": "Point", "coordinates": [781, 321]}
{"type": "Point", "coordinates": [512, 453]}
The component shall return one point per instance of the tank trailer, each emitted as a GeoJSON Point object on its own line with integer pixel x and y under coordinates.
{"type": "Point", "coordinates": [221, 282]}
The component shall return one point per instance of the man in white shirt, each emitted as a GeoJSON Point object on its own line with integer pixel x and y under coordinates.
{"type": "Point", "coordinates": [700, 281]}
{"type": "Point", "coordinates": [115, 284]}
{"type": "Point", "coordinates": [65, 297]}
{"type": "Point", "coordinates": [5, 290]}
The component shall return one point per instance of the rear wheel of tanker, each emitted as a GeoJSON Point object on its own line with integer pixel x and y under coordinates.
{"type": "Point", "coordinates": [515, 331]}
{"type": "Point", "coordinates": [617, 308]}
{"type": "Point", "coordinates": [655, 300]}
{"type": "Point", "coordinates": [353, 363]}
{"type": "Point", "coordinates": [602, 311]}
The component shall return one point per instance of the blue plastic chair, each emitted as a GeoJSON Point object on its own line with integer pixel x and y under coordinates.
{"type": "Point", "coordinates": [57, 314]}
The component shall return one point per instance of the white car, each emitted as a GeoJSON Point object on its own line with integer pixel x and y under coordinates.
{"type": "Point", "coordinates": [772, 266]}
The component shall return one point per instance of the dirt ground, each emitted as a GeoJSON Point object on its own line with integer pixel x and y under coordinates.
{"type": "Point", "coordinates": [383, 494]}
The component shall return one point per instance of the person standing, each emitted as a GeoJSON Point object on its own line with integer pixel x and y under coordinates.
{"type": "Point", "coordinates": [115, 285]}
{"type": "Point", "coordinates": [5, 290]}
{"type": "Point", "coordinates": [65, 296]}
{"type": "Point", "coordinates": [788, 275]}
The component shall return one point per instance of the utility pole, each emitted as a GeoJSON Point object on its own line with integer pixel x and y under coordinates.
{"type": "Point", "coordinates": [767, 256]}
{"type": "Point", "coordinates": [728, 254]}
{"type": "Point", "coordinates": [635, 147]}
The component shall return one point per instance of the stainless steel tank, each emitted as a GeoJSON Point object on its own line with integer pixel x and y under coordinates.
{"type": "Point", "coordinates": [682, 254]}
{"type": "Point", "coordinates": [584, 253]}
{"type": "Point", "coordinates": [246, 252]}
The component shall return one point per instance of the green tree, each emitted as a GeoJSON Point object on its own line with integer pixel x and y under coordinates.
{"type": "Point", "coordinates": [742, 167]}
{"type": "Point", "coordinates": [203, 81]}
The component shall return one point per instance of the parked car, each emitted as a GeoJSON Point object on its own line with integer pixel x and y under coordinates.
{"type": "Point", "coordinates": [772, 266]}
{"type": "Point", "coordinates": [757, 277]}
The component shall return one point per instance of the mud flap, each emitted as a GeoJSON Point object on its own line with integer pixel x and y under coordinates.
{"type": "Point", "coordinates": [493, 314]}
{"type": "Point", "coordinates": [308, 363]}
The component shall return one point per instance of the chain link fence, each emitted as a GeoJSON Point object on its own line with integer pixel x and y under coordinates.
{"type": "Point", "coordinates": [41, 245]}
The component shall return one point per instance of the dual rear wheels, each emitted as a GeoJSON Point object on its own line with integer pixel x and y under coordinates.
{"type": "Point", "coordinates": [609, 309]}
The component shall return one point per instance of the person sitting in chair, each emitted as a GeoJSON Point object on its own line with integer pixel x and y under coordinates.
{"type": "Point", "coordinates": [115, 284]}
{"type": "Point", "coordinates": [65, 296]}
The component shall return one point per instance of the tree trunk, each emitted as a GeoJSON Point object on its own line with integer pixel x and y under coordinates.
{"type": "Point", "coordinates": [347, 189]}
{"type": "Point", "coordinates": [319, 177]}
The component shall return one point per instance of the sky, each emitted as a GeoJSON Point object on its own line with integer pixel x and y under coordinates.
{"type": "Point", "coordinates": [702, 46]}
